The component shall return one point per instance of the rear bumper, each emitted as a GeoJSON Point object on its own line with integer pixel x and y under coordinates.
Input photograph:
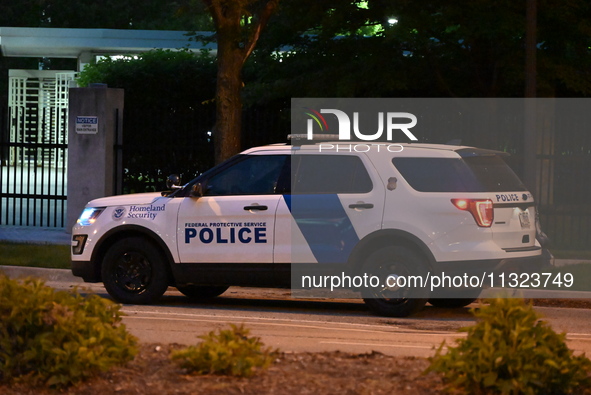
{"type": "Point", "coordinates": [529, 264]}
{"type": "Point", "coordinates": [478, 275]}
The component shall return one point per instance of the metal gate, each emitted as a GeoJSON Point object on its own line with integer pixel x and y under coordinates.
{"type": "Point", "coordinates": [34, 171]}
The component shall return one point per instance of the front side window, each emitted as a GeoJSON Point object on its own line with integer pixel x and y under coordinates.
{"type": "Point", "coordinates": [254, 175]}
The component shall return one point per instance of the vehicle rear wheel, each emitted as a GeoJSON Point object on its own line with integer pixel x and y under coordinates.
{"type": "Point", "coordinates": [451, 303]}
{"type": "Point", "coordinates": [134, 271]}
{"type": "Point", "coordinates": [451, 299]}
{"type": "Point", "coordinates": [201, 291]}
{"type": "Point", "coordinates": [395, 297]}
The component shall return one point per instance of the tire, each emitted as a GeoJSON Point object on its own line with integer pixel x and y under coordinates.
{"type": "Point", "coordinates": [455, 299]}
{"type": "Point", "coordinates": [388, 262]}
{"type": "Point", "coordinates": [451, 303]}
{"type": "Point", "coordinates": [134, 271]}
{"type": "Point", "coordinates": [201, 292]}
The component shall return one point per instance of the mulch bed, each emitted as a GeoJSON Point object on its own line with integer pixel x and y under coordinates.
{"type": "Point", "coordinates": [152, 372]}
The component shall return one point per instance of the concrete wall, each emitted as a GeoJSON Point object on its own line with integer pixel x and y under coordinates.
{"type": "Point", "coordinates": [94, 165]}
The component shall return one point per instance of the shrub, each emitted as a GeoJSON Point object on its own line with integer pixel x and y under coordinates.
{"type": "Point", "coordinates": [57, 338]}
{"type": "Point", "coordinates": [227, 352]}
{"type": "Point", "coordinates": [510, 351]}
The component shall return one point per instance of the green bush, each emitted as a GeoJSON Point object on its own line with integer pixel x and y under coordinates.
{"type": "Point", "coordinates": [58, 338]}
{"type": "Point", "coordinates": [227, 352]}
{"type": "Point", "coordinates": [510, 351]}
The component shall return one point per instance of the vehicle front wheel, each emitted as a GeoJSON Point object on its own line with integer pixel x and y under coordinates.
{"type": "Point", "coordinates": [201, 291]}
{"type": "Point", "coordinates": [134, 271]}
{"type": "Point", "coordinates": [398, 293]}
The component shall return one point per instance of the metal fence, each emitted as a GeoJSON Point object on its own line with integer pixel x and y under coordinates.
{"type": "Point", "coordinates": [33, 149]}
{"type": "Point", "coordinates": [33, 195]}
{"type": "Point", "coordinates": [180, 142]}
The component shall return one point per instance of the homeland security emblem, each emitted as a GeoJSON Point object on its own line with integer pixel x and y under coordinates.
{"type": "Point", "coordinates": [118, 213]}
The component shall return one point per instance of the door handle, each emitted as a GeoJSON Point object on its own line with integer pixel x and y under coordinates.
{"type": "Point", "coordinates": [255, 207]}
{"type": "Point", "coordinates": [361, 205]}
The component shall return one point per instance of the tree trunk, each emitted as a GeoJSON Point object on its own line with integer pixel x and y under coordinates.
{"type": "Point", "coordinates": [235, 44]}
{"type": "Point", "coordinates": [228, 126]}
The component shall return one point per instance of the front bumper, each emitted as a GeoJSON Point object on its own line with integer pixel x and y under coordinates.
{"type": "Point", "coordinates": [85, 269]}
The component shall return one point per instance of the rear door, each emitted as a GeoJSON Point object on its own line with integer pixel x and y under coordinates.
{"type": "Point", "coordinates": [335, 201]}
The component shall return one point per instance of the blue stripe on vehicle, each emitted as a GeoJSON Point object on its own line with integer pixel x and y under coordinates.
{"type": "Point", "coordinates": [325, 225]}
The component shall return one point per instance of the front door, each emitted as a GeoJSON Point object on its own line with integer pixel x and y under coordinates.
{"type": "Point", "coordinates": [234, 220]}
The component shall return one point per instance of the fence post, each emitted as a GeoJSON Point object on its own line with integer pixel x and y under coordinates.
{"type": "Point", "coordinates": [94, 132]}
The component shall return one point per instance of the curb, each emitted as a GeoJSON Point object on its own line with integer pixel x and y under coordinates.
{"type": "Point", "coordinates": [65, 275]}
{"type": "Point", "coordinates": [566, 262]}
{"type": "Point", "coordinates": [59, 275]}
{"type": "Point", "coordinates": [533, 293]}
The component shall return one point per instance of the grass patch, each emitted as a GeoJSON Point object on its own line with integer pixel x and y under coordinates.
{"type": "Point", "coordinates": [579, 273]}
{"type": "Point", "coordinates": [568, 254]}
{"type": "Point", "coordinates": [35, 255]}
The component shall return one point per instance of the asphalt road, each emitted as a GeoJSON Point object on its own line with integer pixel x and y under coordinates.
{"type": "Point", "coordinates": [297, 325]}
{"type": "Point", "coordinates": [320, 325]}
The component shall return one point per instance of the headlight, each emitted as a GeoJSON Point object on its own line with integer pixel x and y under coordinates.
{"type": "Point", "coordinates": [89, 215]}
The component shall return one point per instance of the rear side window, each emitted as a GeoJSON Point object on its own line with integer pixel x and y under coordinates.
{"type": "Point", "coordinates": [470, 174]}
{"type": "Point", "coordinates": [321, 174]}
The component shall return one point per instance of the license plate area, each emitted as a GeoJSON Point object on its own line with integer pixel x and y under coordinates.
{"type": "Point", "coordinates": [524, 219]}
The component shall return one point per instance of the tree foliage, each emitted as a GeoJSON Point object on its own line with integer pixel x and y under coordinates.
{"type": "Point", "coordinates": [435, 49]}
{"type": "Point", "coordinates": [168, 113]}
{"type": "Point", "coordinates": [354, 48]}
{"type": "Point", "coordinates": [106, 14]}
{"type": "Point", "coordinates": [181, 77]}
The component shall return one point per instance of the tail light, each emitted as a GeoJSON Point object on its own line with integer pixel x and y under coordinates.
{"type": "Point", "coordinates": [481, 210]}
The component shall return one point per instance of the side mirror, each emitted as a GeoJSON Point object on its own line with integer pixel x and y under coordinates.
{"type": "Point", "coordinates": [197, 190]}
{"type": "Point", "coordinates": [173, 182]}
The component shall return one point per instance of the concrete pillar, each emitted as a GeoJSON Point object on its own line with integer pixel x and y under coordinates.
{"type": "Point", "coordinates": [95, 123]}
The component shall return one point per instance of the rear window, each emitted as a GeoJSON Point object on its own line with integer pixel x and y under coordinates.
{"type": "Point", "coordinates": [470, 174]}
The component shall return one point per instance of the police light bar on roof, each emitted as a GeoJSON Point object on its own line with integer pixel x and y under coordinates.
{"type": "Point", "coordinates": [300, 139]}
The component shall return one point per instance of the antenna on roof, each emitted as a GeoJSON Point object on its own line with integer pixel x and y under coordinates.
{"type": "Point", "coordinates": [302, 139]}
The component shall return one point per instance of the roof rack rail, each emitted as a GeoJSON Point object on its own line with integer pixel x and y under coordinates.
{"type": "Point", "coordinates": [302, 139]}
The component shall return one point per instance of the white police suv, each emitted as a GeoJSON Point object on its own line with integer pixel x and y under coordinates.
{"type": "Point", "coordinates": [273, 215]}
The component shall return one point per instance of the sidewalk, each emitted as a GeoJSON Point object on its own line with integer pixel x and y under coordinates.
{"type": "Point", "coordinates": [34, 235]}
{"type": "Point", "coordinates": [51, 275]}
